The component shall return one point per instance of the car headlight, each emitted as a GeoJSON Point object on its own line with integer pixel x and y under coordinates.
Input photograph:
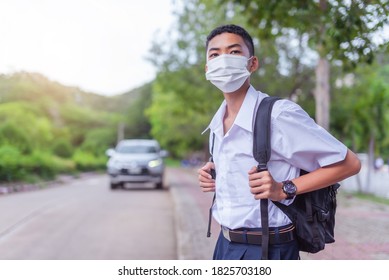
{"type": "Point", "coordinates": [155, 163]}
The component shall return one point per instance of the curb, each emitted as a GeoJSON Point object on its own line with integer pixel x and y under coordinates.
{"type": "Point", "coordinates": [190, 224]}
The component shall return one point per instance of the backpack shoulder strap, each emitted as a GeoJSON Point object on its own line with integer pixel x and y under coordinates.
{"type": "Point", "coordinates": [213, 173]}
{"type": "Point", "coordinates": [261, 147]}
{"type": "Point", "coordinates": [261, 153]}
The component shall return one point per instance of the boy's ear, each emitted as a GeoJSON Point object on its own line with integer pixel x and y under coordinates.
{"type": "Point", "coordinates": [254, 64]}
{"type": "Point", "coordinates": [206, 68]}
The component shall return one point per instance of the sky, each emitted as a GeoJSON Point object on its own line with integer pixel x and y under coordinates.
{"type": "Point", "coordinates": [99, 46]}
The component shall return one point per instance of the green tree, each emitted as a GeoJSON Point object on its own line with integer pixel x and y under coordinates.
{"type": "Point", "coordinates": [98, 140]}
{"type": "Point", "coordinates": [24, 126]}
{"type": "Point", "coordinates": [136, 122]}
{"type": "Point", "coordinates": [47, 128]}
{"type": "Point", "coordinates": [361, 113]}
{"type": "Point", "coordinates": [336, 30]}
{"type": "Point", "coordinates": [180, 113]}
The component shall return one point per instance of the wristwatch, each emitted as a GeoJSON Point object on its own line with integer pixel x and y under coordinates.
{"type": "Point", "coordinates": [289, 188]}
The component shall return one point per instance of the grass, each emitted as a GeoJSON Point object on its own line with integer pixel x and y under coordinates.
{"type": "Point", "coordinates": [372, 198]}
{"type": "Point", "coordinates": [172, 162]}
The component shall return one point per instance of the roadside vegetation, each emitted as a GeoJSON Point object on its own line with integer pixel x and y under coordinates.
{"type": "Point", "coordinates": [47, 129]}
{"type": "Point", "coordinates": [373, 198]}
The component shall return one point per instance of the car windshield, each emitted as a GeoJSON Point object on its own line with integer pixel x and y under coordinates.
{"type": "Point", "coordinates": [139, 149]}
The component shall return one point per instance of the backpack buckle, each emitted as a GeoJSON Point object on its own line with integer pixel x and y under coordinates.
{"type": "Point", "coordinates": [261, 167]}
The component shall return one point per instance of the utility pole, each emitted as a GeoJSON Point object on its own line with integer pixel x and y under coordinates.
{"type": "Point", "coordinates": [121, 127]}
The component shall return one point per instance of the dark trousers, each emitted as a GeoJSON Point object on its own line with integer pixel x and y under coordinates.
{"type": "Point", "coordinates": [226, 250]}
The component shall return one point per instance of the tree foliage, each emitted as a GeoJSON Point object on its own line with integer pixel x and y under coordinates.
{"type": "Point", "coordinates": [337, 30]}
{"type": "Point", "coordinates": [47, 128]}
{"type": "Point", "coordinates": [361, 110]}
{"type": "Point", "coordinates": [180, 109]}
{"type": "Point", "coordinates": [361, 114]}
{"type": "Point", "coordinates": [137, 125]}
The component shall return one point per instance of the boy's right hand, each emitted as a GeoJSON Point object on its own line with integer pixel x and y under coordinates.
{"type": "Point", "coordinates": [207, 183]}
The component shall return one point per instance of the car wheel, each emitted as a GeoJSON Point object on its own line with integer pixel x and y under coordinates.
{"type": "Point", "coordinates": [159, 186]}
{"type": "Point", "coordinates": [114, 186]}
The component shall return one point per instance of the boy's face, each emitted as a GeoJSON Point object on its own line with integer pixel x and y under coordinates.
{"type": "Point", "coordinates": [227, 43]}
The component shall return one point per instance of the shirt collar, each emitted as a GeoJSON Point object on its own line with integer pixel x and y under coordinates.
{"type": "Point", "coordinates": [217, 120]}
{"type": "Point", "coordinates": [246, 111]}
{"type": "Point", "coordinates": [244, 118]}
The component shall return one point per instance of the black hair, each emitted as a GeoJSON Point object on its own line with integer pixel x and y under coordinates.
{"type": "Point", "coordinates": [234, 29]}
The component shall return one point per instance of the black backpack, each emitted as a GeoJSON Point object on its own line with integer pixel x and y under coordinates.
{"type": "Point", "coordinates": [312, 213]}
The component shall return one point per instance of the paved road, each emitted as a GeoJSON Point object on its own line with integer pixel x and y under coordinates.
{"type": "Point", "coordinates": [84, 219]}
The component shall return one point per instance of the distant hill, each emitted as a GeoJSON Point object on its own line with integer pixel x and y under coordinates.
{"type": "Point", "coordinates": [34, 87]}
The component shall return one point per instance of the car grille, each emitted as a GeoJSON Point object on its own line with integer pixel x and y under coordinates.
{"type": "Point", "coordinates": [126, 171]}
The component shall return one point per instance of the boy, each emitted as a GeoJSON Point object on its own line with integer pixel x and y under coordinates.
{"type": "Point", "coordinates": [297, 143]}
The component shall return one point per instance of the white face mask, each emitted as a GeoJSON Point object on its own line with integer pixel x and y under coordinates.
{"type": "Point", "coordinates": [228, 72]}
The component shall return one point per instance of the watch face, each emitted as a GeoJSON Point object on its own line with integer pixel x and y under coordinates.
{"type": "Point", "coordinates": [289, 189]}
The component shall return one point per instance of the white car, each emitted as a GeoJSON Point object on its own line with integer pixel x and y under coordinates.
{"type": "Point", "coordinates": [136, 161]}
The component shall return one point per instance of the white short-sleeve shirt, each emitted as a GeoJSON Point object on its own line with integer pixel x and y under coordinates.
{"type": "Point", "coordinates": [297, 143]}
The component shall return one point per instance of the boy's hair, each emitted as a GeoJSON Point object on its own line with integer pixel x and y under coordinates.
{"type": "Point", "coordinates": [234, 29]}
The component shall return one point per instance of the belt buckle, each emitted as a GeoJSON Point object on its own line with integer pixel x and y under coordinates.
{"type": "Point", "coordinates": [226, 233]}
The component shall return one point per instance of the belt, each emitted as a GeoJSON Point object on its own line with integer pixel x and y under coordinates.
{"type": "Point", "coordinates": [277, 235]}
